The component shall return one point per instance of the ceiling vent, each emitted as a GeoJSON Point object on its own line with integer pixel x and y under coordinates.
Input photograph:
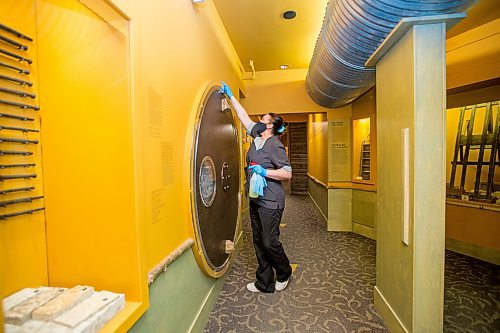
{"type": "Point", "coordinates": [352, 30]}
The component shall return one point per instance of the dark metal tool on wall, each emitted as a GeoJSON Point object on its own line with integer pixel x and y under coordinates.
{"type": "Point", "coordinates": [15, 32]}
{"type": "Point", "coordinates": [25, 165]}
{"type": "Point", "coordinates": [16, 140]}
{"type": "Point", "coordinates": [20, 129]}
{"type": "Point", "coordinates": [24, 212]}
{"type": "Point", "coordinates": [19, 189]}
{"type": "Point", "coordinates": [15, 152]}
{"type": "Point", "coordinates": [13, 116]}
{"type": "Point", "coordinates": [17, 69]}
{"type": "Point", "coordinates": [16, 56]}
{"type": "Point", "coordinates": [17, 92]}
{"type": "Point", "coordinates": [14, 43]}
{"type": "Point", "coordinates": [13, 79]}
{"type": "Point", "coordinates": [18, 201]}
{"type": "Point", "coordinates": [11, 177]}
{"type": "Point", "coordinates": [19, 105]}
{"type": "Point", "coordinates": [488, 140]}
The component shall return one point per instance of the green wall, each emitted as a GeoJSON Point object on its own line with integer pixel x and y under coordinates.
{"type": "Point", "coordinates": [180, 300]}
{"type": "Point", "coordinates": [363, 207]}
{"type": "Point", "coordinates": [319, 194]}
{"type": "Point", "coordinates": [339, 209]}
{"type": "Point", "coordinates": [364, 204]}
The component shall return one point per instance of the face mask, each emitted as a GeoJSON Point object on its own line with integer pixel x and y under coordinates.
{"type": "Point", "coordinates": [260, 127]}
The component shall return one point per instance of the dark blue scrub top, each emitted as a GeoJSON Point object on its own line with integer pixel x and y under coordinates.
{"type": "Point", "coordinates": [272, 155]}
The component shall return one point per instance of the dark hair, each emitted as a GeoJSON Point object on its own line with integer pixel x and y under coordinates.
{"type": "Point", "coordinates": [278, 123]}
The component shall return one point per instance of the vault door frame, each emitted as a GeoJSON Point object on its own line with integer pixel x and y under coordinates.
{"type": "Point", "coordinates": [199, 251]}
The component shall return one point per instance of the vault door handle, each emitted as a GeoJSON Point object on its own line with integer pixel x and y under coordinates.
{"type": "Point", "coordinates": [226, 177]}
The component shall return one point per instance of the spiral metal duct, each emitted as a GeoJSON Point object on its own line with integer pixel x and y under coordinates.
{"type": "Point", "coordinates": [352, 30]}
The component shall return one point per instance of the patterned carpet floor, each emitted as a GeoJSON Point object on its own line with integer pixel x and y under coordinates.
{"type": "Point", "coordinates": [471, 295]}
{"type": "Point", "coordinates": [332, 287]}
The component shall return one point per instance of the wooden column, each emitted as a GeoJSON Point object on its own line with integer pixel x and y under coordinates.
{"type": "Point", "coordinates": [411, 100]}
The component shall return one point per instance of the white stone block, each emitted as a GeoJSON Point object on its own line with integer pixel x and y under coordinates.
{"type": "Point", "coordinates": [21, 296]}
{"type": "Point", "coordinates": [86, 309]}
{"type": "Point", "coordinates": [14, 329]}
{"type": "Point", "coordinates": [62, 303]}
{"type": "Point", "coordinates": [21, 313]}
{"type": "Point", "coordinates": [36, 326]}
{"type": "Point", "coordinates": [100, 318]}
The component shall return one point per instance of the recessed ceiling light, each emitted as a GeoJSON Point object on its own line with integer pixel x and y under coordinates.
{"type": "Point", "coordinates": [290, 14]}
{"type": "Point", "coordinates": [284, 66]}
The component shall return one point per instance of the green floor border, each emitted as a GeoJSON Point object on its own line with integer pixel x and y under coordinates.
{"type": "Point", "coordinates": [209, 302]}
{"type": "Point", "coordinates": [473, 250]}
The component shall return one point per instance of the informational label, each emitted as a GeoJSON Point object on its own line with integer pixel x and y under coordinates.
{"type": "Point", "coordinates": [339, 150]}
{"type": "Point", "coordinates": [155, 112]}
{"type": "Point", "coordinates": [157, 205]}
{"type": "Point", "coordinates": [167, 162]}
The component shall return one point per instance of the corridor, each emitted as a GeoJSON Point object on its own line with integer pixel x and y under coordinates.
{"type": "Point", "coordinates": [332, 287]}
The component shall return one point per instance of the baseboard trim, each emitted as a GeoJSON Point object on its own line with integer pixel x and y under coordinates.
{"type": "Point", "coordinates": [208, 303]}
{"type": "Point", "coordinates": [473, 250]}
{"type": "Point", "coordinates": [325, 219]}
{"type": "Point", "coordinates": [391, 320]}
{"type": "Point", "coordinates": [335, 227]}
{"type": "Point", "coordinates": [363, 230]}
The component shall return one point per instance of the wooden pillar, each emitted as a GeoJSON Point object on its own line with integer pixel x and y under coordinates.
{"type": "Point", "coordinates": [411, 100]}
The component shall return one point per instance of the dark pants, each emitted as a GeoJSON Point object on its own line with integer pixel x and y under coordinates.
{"type": "Point", "coordinates": [268, 249]}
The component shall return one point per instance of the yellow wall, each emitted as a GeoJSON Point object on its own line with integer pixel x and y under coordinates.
{"type": "Point", "coordinates": [178, 47]}
{"type": "Point", "coordinates": [317, 147]}
{"type": "Point", "coordinates": [88, 161]}
{"type": "Point", "coordinates": [473, 56]}
{"type": "Point", "coordinates": [117, 134]}
{"type": "Point", "coordinates": [473, 225]}
{"type": "Point", "coordinates": [281, 91]}
{"type": "Point", "coordinates": [23, 260]}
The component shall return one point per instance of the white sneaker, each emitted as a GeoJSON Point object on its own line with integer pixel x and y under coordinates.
{"type": "Point", "coordinates": [280, 286]}
{"type": "Point", "coordinates": [251, 287]}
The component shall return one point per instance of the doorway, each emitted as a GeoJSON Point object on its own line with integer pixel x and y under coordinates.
{"type": "Point", "coordinates": [297, 153]}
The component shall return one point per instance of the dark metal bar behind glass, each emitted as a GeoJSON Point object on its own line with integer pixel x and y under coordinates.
{"type": "Point", "coordinates": [24, 212]}
{"type": "Point", "coordinates": [15, 32]}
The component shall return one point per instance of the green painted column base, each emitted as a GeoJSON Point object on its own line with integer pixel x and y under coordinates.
{"type": "Point", "coordinates": [391, 320]}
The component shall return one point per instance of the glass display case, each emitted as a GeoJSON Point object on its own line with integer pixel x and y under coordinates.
{"type": "Point", "coordinates": [361, 150]}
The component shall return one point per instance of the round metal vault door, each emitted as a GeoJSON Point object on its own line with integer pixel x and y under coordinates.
{"type": "Point", "coordinates": [215, 183]}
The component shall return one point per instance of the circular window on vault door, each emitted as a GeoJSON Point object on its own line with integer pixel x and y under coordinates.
{"type": "Point", "coordinates": [207, 181]}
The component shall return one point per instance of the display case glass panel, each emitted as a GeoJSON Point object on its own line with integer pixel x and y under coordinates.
{"type": "Point", "coordinates": [361, 150]}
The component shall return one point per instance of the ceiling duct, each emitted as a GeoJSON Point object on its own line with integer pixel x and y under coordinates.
{"type": "Point", "coordinates": [352, 30]}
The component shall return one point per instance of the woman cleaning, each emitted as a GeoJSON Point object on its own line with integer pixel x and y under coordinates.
{"type": "Point", "coordinates": [266, 158]}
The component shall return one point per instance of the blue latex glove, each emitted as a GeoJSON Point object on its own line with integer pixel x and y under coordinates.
{"type": "Point", "coordinates": [257, 185]}
{"type": "Point", "coordinates": [226, 90]}
{"type": "Point", "coordinates": [258, 169]}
